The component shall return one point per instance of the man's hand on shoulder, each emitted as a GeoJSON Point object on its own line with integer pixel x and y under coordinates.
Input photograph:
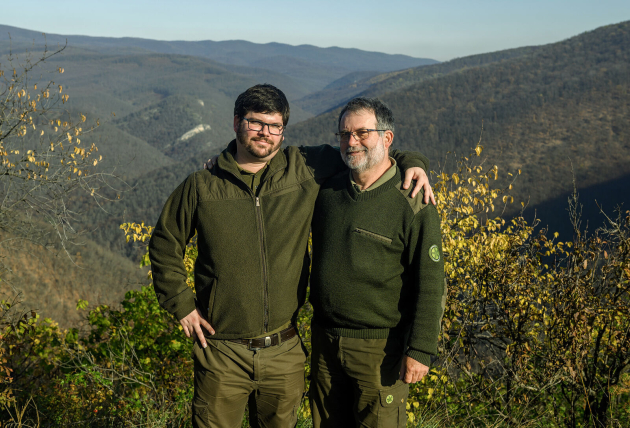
{"type": "Point", "coordinates": [412, 371]}
{"type": "Point", "coordinates": [192, 324]}
{"type": "Point", "coordinates": [422, 181]}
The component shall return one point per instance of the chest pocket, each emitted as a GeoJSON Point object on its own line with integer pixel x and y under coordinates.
{"type": "Point", "coordinates": [374, 236]}
{"type": "Point", "coordinates": [288, 189]}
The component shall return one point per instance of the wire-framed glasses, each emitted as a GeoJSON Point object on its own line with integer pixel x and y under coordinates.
{"type": "Point", "coordinates": [359, 135]}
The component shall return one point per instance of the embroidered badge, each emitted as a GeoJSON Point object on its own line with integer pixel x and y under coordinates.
{"type": "Point", "coordinates": [389, 399]}
{"type": "Point", "coordinates": [434, 253]}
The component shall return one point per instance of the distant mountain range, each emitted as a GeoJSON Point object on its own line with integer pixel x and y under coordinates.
{"type": "Point", "coordinates": [547, 110]}
{"type": "Point", "coordinates": [312, 67]}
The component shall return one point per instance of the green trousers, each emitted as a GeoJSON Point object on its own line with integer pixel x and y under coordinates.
{"type": "Point", "coordinates": [228, 376]}
{"type": "Point", "coordinates": [355, 381]}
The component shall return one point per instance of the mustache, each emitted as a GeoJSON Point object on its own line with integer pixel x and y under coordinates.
{"type": "Point", "coordinates": [355, 149]}
{"type": "Point", "coordinates": [267, 140]}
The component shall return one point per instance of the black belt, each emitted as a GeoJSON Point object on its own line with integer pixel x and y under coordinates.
{"type": "Point", "coordinates": [265, 342]}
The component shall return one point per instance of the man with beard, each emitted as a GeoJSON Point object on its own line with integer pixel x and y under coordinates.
{"type": "Point", "coordinates": [377, 282]}
{"type": "Point", "coordinates": [252, 213]}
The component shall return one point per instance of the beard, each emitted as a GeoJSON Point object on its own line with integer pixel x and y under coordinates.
{"type": "Point", "coordinates": [254, 149]}
{"type": "Point", "coordinates": [369, 158]}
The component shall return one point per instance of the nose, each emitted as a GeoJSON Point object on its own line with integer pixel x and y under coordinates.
{"type": "Point", "coordinates": [262, 131]}
{"type": "Point", "coordinates": [353, 138]}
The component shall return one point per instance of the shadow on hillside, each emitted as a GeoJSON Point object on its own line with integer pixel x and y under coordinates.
{"type": "Point", "coordinates": [607, 196]}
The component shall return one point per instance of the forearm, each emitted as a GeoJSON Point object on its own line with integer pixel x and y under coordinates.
{"type": "Point", "coordinates": [406, 160]}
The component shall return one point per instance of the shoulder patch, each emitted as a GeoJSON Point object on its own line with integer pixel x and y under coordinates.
{"type": "Point", "coordinates": [416, 203]}
{"type": "Point", "coordinates": [434, 253]}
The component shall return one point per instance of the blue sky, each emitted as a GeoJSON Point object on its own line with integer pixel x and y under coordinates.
{"type": "Point", "coordinates": [432, 29]}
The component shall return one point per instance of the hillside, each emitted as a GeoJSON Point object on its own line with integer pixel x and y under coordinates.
{"type": "Point", "coordinates": [557, 107]}
{"type": "Point", "coordinates": [376, 84]}
{"type": "Point", "coordinates": [51, 282]}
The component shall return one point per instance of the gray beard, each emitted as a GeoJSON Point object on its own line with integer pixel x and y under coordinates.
{"type": "Point", "coordinates": [372, 157]}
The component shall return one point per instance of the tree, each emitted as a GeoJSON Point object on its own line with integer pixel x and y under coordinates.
{"type": "Point", "coordinates": [43, 164]}
{"type": "Point", "coordinates": [42, 161]}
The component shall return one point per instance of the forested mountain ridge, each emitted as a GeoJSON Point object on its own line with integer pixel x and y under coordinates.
{"type": "Point", "coordinates": [181, 93]}
{"type": "Point", "coordinates": [374, 85]}
{"type": "Point", "coordinates": [560, 107]}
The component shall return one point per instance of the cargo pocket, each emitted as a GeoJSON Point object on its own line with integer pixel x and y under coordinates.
{"type": "Point", "coordinates": [392, 412]}
{"type": "Point", "coordinates": [200, 412]}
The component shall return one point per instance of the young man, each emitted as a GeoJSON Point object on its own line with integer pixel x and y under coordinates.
{"type": "Point", "coordinates": [252, 214]}
{"type": "Point", "coordinates": [377, 282]}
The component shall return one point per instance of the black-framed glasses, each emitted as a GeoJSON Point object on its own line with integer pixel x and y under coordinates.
{"type": "Point", "coordinates": [359, 135]}
{"type": "Point", "coordinates": [257, 125]}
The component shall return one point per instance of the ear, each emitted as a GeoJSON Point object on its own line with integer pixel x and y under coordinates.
{"type": "Point", "coordinates": [237, 121]}
{"type": "Point", "coordinates": [388, 139]}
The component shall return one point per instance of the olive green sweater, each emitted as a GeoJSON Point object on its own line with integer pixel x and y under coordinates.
{"type": "Point", "coordinates": [252, 267]}
{"type": "Point", "coordinates": [377, 264]}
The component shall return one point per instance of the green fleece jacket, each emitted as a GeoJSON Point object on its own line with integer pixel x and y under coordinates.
{"type": "Point", "coordinates": [252, 266]}
{"type": "Point", "coordinates": [377, 264]}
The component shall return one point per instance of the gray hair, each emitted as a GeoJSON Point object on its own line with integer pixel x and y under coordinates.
{"type": "Point", "coordinates": [384, 116]}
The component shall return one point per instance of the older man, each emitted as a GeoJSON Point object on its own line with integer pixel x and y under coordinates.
{"type": "Point", "coordinates": [252, 213]}
{"type": "Point", "coordinates": [377, 281]}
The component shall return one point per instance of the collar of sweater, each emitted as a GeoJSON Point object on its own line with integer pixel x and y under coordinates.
{"type": "Point", "coordinates": [365, 196]}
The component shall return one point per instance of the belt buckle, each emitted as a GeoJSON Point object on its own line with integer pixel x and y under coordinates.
{"type": "Point", "coordinates": [267, 344]}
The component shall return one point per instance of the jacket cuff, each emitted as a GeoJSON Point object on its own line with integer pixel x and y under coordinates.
{"type": "Point", "coordinates": [182, 304]}
{"type": "Point", "coordinates": [420, 356]}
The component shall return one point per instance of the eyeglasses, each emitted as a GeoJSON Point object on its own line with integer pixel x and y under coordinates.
{"type": "Point", "coordinates": [359, 135]}
{"type": "Point", "coordinates": [257, 125]}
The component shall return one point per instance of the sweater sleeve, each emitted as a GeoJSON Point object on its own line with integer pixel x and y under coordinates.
{"type": "Point", "coordinates": [427, 263]}
{"type": "Point", "coordinates": [325, 161]}
{"type": "Point", "coordinates": [406, 160]}
{"type": "Point", "coordinates": [174, 229]}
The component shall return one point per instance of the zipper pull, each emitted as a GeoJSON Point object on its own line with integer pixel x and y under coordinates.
{"type": "Point", "coordinates": [257, 201]}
